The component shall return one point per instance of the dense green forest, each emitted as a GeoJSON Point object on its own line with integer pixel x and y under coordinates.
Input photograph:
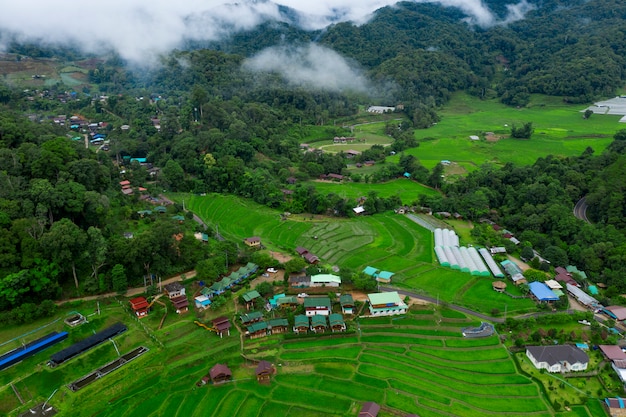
{"type": "Point", "coordinates": [222, 128]}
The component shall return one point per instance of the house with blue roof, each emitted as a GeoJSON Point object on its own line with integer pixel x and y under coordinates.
{"type": "Point", "coordinates": [541, 292]}
{"type": "Point", "coordinates": [384, 276]}
{"type": "Point", "coordinates": [371, 271]}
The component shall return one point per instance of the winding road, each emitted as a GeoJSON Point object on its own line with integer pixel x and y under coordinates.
{"type": "Point", "coordinates": [580, 210]}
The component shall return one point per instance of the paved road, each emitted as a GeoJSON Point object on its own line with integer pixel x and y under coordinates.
{"type": "Point", "coordinates": [580, 210]}
{"type": "Point", "coordinates": [472, 312]}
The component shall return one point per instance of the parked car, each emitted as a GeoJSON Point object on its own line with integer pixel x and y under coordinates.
{"type": "Point", "coordinates": [272, 270]}
{"type": "Point", "coordinates": [303, 295]}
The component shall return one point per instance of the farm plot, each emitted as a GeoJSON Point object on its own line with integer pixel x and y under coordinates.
{"type": "Point", "coordinates": [559, 130]}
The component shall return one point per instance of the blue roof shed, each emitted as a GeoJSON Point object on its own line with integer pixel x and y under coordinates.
{"type": "Point", "coordinates": [542, 292]}
{"type": "Point", "coordinates": [370, 270]}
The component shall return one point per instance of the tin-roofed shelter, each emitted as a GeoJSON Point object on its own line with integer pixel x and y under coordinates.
{"type": "Point", "coordinates": [386, 304]}
{"type": "Point", "coordinates": [325, 280]}
{"type": "Point", "coordinates": [616, 312]}
{"type": "Point", "coordinates": [541, 292]}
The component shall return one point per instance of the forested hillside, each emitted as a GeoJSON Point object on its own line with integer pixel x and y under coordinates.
{"type": "Point", "coordinates": [213, 124]}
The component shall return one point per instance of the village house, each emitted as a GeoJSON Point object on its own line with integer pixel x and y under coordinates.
{"type": "Point", "coordinates": [251, 317]}
{"type": "Point", "coordinates": [253, 241]}
{"type": "Point", "coordinates": [369, 409]}
{"type": "Point", "coordinates": [337, 324]}
{"type": "Point", "coordinates": [202, 302]}
{"type": "Point", "coordinates": [221, 325]}
{"type": "Point", "coordinates": [174, 289]}
{"type": "Point", "coordinates": [290, 303]}
{"type": "Point", "coordinates": [278, 325]}
{"type": "Point", "coordinates": [616, 406]}
{"type": "Point", "coordinates": [347, 303]}
{"type": "Point", "coordinates": [299, 281]}
{"type": "Point", "coordinates": [558, 358]}
{"type": "Point", "coordinates": [301, 324]}
{"type": "Point", "coordinates": [264, 372]}
{"type": "Point", "coordinates": [180, 303]}
{"type": "Point", "coordinates": [318, 324]}
{"type": "Point", "coordinates": [317, 306]}
{"type": "Point", "coordinates": [257, 330]}
{"type": "Point", "coordinates": [220, 374]}
{"type": "Point", "coordinates": [140, 306]}
{"type": "Point", "coordinates": [249, 298]}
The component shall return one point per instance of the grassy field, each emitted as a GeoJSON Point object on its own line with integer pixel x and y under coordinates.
{"type": "Point", "coordinates": [559, 130]}
{"type": "Point", "coordinates": [407, 190]}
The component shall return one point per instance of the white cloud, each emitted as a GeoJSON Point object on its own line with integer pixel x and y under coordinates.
{"type": "Point", "coordinates": [309, 66]}
{"type": "Point", "coordinates": [140, 29]}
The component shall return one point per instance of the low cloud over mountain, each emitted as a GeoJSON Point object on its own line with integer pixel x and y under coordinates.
{"type": "Point", "coordinates": [309, 66]}
{"type": "Point", "coordinates": [139, 30]}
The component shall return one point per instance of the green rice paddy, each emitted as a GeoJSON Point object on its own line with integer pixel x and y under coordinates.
{"type": "Point", "coordinates": [418, 363]}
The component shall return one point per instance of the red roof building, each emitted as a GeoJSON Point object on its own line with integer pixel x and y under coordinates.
{"type": "Point", "coordinates": [140, 306]}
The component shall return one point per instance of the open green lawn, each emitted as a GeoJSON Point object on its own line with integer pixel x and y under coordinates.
{"type": "Point", "coordinates": [559, 130]}
{"type": "Point", "coordinates": [418, 363]}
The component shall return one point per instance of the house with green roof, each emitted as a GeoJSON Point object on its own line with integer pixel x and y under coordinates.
{"type": "Point", "coordinates": [337, 324]}
{"type": "Point", "coordinates": [347, 303]}
{"type": "Point", "coordinates": [251, 317]}
{"type": "Point", "coordinates": [318, 324]}
{"type": "Point", "coordinates": [278, 325]}
{"type": "Point", "coordinates": [314, 306]}
{"type": "Point", "coordinates": [249, 298]}
{"type": "Point", "coordinates": [386, 304]}
{"type": "Point", "coordinates": [287, 302]}
{"type": "Point", "coordinates": [301, 324]}
{"type": "Point", "coordinates": [257, 330]}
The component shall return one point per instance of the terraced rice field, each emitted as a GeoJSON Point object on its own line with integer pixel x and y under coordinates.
{"type": "Point", "coordinates": [390, 241]}
{"type": "Point", "coordinates": [418, 363]}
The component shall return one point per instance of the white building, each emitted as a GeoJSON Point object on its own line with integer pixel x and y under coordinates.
{"type": "Point", "coordinates": [386, 304]}
{"type": "Point", "coordinates": [325, 280]}
{"type": "Point", "coordinates": [558, 358]}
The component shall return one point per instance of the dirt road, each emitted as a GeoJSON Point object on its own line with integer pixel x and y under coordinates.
{"type": "Point", "coordinates": [131, 291]}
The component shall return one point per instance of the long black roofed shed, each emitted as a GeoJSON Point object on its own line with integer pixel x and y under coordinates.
{"type": "Point", "coordinates": [86, 344]}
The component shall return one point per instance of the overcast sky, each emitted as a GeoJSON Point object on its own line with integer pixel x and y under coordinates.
{"type": "Point", "coordinates": [142, 29]}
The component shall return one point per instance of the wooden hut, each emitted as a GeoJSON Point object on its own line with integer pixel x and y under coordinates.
{"type": "Point", "coordinates": [264, 372]}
